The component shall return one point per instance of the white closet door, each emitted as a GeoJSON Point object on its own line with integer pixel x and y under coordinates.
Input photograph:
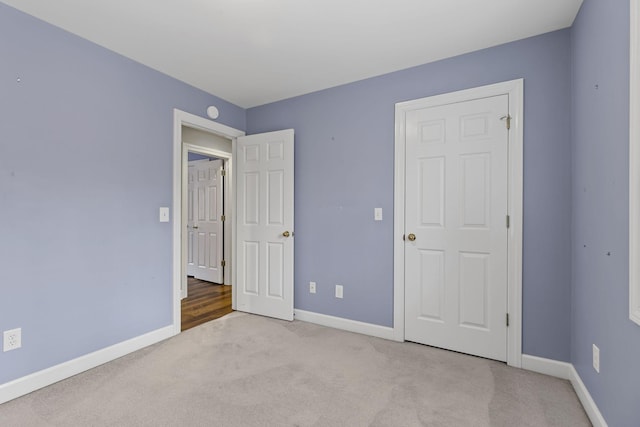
{"type": "Point", "coordinates": [456, 213]}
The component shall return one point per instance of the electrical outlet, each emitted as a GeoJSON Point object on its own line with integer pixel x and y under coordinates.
{"type": "Point", "coordinates": [12, 339]}
{"type": "Point", "coordinates": [596, 358]}
{"type": "Point", "coordinates": [312, 287]}
{"type": "Point", "coordinates": [338, 291]}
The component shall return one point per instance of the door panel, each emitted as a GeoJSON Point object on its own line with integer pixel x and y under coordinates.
{"type": "Point", "coordinates": [251, 271]}
{"type": "Point", "coordinates": [474, 289]}
{"type": "Point", "coordinates": [432, 180]}
{"type": "Point", "coordinates": [275, 272]}
{"type": "Point", "coordinates": [432, 279]}
{"type": "Point", "coordinates": [264, 173]}
{"type": "Point", "coordinates": [456, 205]}
{"type": "Point", "coordinates": [275, 198]}
{"type": "Point", "coordinates": [475, 191]}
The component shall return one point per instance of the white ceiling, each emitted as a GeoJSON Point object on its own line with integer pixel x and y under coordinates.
{"type": "Point", "coordinates": [252, 52]}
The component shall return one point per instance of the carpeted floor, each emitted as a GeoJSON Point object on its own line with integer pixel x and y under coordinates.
{"type": "Point", "coordinates": [244, 370]}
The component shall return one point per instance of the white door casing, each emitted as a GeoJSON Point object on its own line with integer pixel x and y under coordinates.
{"type": "Point", "coordinates": [205, 227]}
{"type": "Point", "coordinates": [264, 224]}
{"type": "Point", "coordinates": [460, 186]}
{"type": "Point", "coordinates": [456, 207]}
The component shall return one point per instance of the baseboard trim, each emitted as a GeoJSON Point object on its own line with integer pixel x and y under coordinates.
{"type": "Point", "coordinates": [550, 367]}
{"type": "Point", "coordinates": [590, 407]}
{"type": "Point", "coordinates": [566, 371]}
{"type": "Point", "coordinates": [37, 380]}
{"type": "Point", "coordinates": [345, 324]}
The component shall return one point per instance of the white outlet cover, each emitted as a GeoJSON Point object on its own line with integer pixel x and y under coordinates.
{"type": "Point", "coordinates": [377, 214]}
{"type": "Point", "coordinates": [312, 287]}
{"type": "Point", "coordinates": [339, 291]}
{"type": "Point", "coordinates": [12, 339]}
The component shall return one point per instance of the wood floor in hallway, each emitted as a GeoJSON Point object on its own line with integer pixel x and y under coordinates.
{"type": "Point", "coordinates": [205, 301]}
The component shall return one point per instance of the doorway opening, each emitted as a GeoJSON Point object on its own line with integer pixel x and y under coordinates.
{"type": "Point", "coordinates": [207, 139]}
{"type": "Point", "coordinates": [208, 292]}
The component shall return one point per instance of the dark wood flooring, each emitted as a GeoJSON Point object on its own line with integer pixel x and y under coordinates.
{"type": "Point", "coordinates": [205, 301]}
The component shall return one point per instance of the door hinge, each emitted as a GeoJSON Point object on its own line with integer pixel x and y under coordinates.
{"type": "Point", "coordinates": [507, 120]}
{"type": "Point", "coordinates": [223, 218]}
{"type": "Point", "coordinates": [507, 320]}
{"type": "Point", "coordinates": [223, 263]}
{"type": "Point", "coordinates": [508, 221]}
{"type": "Point", "coordinates": [223, 172]}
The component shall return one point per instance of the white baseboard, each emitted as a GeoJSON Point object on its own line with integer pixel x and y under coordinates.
{"type": "Point", "coordinates": [345, 324]}
{"type": "Point", "coordinates": [566, 371]}
{"type": "Point", "coordinates": [550, 367]}
{"type": "Point", "coordinates": [589, 405]}
{"type": "Point", "coordinates": [40, 379]}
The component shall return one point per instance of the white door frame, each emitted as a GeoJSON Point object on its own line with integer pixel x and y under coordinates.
{"type": "Point", "coordinates": [182, 118]}
{"type": "Point", "coordinates": [514, 89]}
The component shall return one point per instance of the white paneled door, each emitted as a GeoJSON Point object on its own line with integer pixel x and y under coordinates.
{"type": "Point", "coordinates": [456, 226]}
{"type": "Point", "coordinates": [264, 249]}
{"type": "Point", "coordinates": [204, 220]}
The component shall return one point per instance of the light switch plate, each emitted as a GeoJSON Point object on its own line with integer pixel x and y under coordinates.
{"type": "Point", "coordinates": [377, 214]}
{"type": "Point", "coordinates": [164, 214]}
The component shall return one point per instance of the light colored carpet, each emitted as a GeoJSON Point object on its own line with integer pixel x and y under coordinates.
{"type": "Point", "coordinates": [244, 370]}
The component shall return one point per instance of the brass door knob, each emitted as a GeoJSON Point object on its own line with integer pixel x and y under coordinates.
{"type": "Point", "coordinates": [411, 237]}
{"type": "Point", "coordinates": [286, 234]}
{"type": "Point", "coordinates": [195, 226]}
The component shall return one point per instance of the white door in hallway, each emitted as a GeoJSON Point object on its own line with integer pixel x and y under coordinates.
{"type": "Point", "coordinates": [456, 226]}
{"type": "Point", "coordinates": [264, 233]}
{"type": "Point", "coordinates": [204, 220]}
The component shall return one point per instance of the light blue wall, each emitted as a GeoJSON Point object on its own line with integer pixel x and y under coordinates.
{"type": "Point", "coordinates": [196, 156]}
{"type": "Point", "coordinates": [84, 262]}
{"type": "Point", "coordinates": [344, 169]}
{"type": "Point", "coordinates": [600, 44]}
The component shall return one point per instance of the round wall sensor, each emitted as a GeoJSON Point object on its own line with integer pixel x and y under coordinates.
{"type": "Point", "coordinates": [213, 112]}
